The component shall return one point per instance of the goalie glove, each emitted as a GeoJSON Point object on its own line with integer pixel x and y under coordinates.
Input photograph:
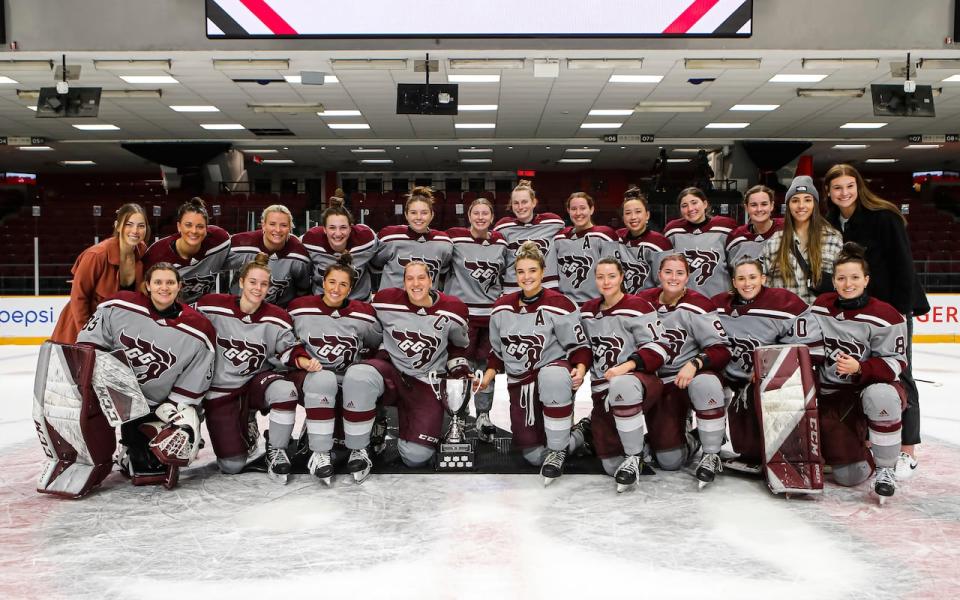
{"type": "Point", "coordinates": [178, 441]}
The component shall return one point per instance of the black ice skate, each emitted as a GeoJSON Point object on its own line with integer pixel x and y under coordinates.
{"type": "Point", "coordinates": [359, 464]}
{"type": "Point", "coordinates": [321, 467]}
{"type": "Point", "coordinates": [553, 466]}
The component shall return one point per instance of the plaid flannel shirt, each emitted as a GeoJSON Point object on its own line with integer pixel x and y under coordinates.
{"type": "Point", "coordinates": [830, 249]}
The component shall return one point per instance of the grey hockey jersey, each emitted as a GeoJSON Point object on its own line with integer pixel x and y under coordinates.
{"type": "Point", "coordinates": [199, 272]}
{"type": "Point", "coordinates": [576, 255]}
{"type": "Point", "coordinates": [172, 358]}
{"type": "Point", "coordinates": [541, 230]}
{"type": "Point", "coordinates": [745, 242]}
{"type": "Point", "coordinates": [640, 256]}
{"type": "Point", "coordinates": [526, 337]}
{"type": "Point", "coordinates": [875, 335]}
{"type": "Point", "coordinates": [690, 327]}
{"type": "Point", "coordinates": [289, 266]}
{"type": "Point", "coordinates": [476, 271]}
{"type": "Point", "coordinates": [399, 245]}
{"type": "Point", "coordinates": [705, 248]}
{"type": "Point", "coordinates": [361, 245]}
{"type": "Point", "coordinates": [421, 339]}
{"type": "Point", "coordinates": [246, 343]}
{"type": "Point", "coordinates": [337, 337]}
{"type": "Point", "coordinates": [632, 325]}
{"type": "Point", "coordinates": [774, 316]}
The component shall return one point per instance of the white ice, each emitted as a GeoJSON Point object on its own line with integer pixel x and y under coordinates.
{"type": "Point", "coordinates": [479, 536]}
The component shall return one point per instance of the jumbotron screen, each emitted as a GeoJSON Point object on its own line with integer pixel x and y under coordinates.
{"type": "Point", "coordinates": [478, 18]}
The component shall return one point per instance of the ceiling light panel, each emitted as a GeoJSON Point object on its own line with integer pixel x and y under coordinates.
{"type": "Point", "coordinates": [755, 107]}
{"type": "Point", "coordinates": [486, 63]}
{"type": "Point", "coordinates": [348, 126]}
{"type": "Point", "coordinates": [601, 125]}
{"type": "Point", "coordinates": [252, 64]}
{"type": "Point", "coordinates": [132, 65]}
{"type": "Point", "coordinates": [797, 78]}
{"type": "Point", "coordinates": [673, 107]}
{"type": "Point", "coordinates": [368, 64]}
{"type": "Point", "coordinates": [473, 78]}
{"type": "Point", "coordinates": [154, 79]}
{"type": "Point", "coordinates": [610, 112]}
{"type": "Point", "coordinates": [339, 113]}
{"type": "Point", "coordinates": [195, 108]}
{"type": "Point", "coordinates": [721, 63]}
{"type": "Point", "coordinates": [856, 125]}
{"type": "Point", "coordinates": [840, 63]}
{"type": "Point", "coordinates": [97, 127]}
{"type": "Point", "coordinates": [635, 78]}
{"type": "Point", "coordinates": [727, 125]}
{"type": "Point", "coordinates": [327, 79]}
{"type": "Point", "coordinates": [604, 63]}
{"type": "Point", "coordinates": [222, 126]}
{"type": "Point", "coordinates": [475, 125]}
{"type": "Point", "coordinates": [477, 107]}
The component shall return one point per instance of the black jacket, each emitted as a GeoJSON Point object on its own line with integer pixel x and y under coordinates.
{"type": "Point", "coordinates": [892, 276]}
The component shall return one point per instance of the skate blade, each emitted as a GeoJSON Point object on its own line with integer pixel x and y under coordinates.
{"type": "Point", "coordinates": [702, 484]}
{"type": "Point", "coordinates": [280, 478]}
{"type": "Point", "coordinates": [625, 487]}
{"type": "Point", "coordinates": [883, 500]}
{"type": "Point", "coordinates": [548, 480]}
{"type": "Point", "coordinates": [326, 481]}
{"type": "Point", "coordinates": [359, 477]}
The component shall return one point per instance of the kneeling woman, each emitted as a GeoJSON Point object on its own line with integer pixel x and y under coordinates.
{"type": "Point", "coordinates": [622, 329]}
{"type": "Point", "coordinates": [424, 341]}
{"type": "Point", "coordinates": [537, 339]}
{"type": "Point", "coordinates": [754, 315]}
{"type": "Point", "coordinates": [336, 332]}
{"type": "Point", "coordinates": [171, 350]}
{"type": "Point", "coordinates": [252, 337]}
{"type": "Point", "coordinates": [698, 347]}
{"type": "Point", "coordinates": [865, 343]}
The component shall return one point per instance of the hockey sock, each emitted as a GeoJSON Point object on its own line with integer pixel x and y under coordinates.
{"type": "Point", "coordinates": [320, 423]}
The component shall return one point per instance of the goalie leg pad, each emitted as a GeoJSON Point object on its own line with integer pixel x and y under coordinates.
{"type": "Point", "coordinates": [74, 433]}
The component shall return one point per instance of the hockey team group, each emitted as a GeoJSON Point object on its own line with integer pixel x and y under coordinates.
{"type": "Point", "coordinates": [345, 322]}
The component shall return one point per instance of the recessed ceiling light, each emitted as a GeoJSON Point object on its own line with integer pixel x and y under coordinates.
{"type": "Point", "coordinates": [4, 79]}
{"type": "Point", "coordinates": [376, 161]}
{"type": "Point", "coordinates": [299, 79]}
{"type": "Point", "coordinates": [348, 126]}
{"type": "Point", "coordinates": [855, 125]}
{"type": "Point", "coordinates": [340, 113]}
{"type": "Point", "coordinates": [222, 126]}
{"type": "Point", "coordinates": [132, 65]}
{"type": "Point", "coordinates": [797, 78]}
{"type": "Point", "coordinates": [148, 79]}
{"type": "Point", "coordinates": [367, 150]}
{"type": "Point", "coordinates": [584, 149]}
{"type": "Point", "coordinates": [476, 160]}
{"type": "Point", "coordinates": [610, 112]}
{"type": "Point", "coordinates": [474, 150]}
{"type": "Point", "coordinates": [277, 161]}
{"type": "Point", "coordinates": [951, 79]}
{"type": "Point", "coordinates": [77, 163]}
{"type": "Point", "coordinates": [97, 127]}
{"type": "Point", "coordinates": [251, 64]}
{"type": "Point", "coordinates": [921, 146]}
{"type": "Point", "coordinates": [473, 78]}
{"type": "Point", "coordinates": [486, 63]}
{"type": "Point", "coordinates": [688, 150]}
{"type": "Point", "coordinates": [575, 160]}
{"type": "Point", "coordinates": [672, 106]}
{"type": "Point", "coordinates": [721, 63]}
{"type": "Point", "coordinates": [678, 160]}
{"type": "Point", "coordinates": [831, 92]}
{"type": "Point", "coordinates": [477, 107]}
{"type": "Point", "coordinates": [850, 146]}
{"type": "Point", "coordinates": [755, 107]}
{"type": "Point", "coordinates": [839, 63]}
{"type": "Point", "coordinates": [258, 150]}
{"type": "Point", "coordinates": [475, 125]}
{"type": "Point", "coordinates": [881, 160]}
{"type": "Point", "coordinates": [635, 78]}
{"type": "Point", "coordinates": [35, 148]}
{"type": "Point", "coordinates": [726, 125]}
{"type": "Point", "coordinates": [601, 125]}
{"type": "Point", "coordinates": [195, 108]}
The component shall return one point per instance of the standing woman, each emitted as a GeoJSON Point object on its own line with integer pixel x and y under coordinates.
{"type": "Point", "coordinates": [623, 331]}
{"type": "Point", "coordinates": [577, 249]}
{"type": "Point", "coordinates": [699, 351]}
{"type": "Point", "coordinates": [198, 250]}
{"type": "Point", "coordinates": [336, 332]}
{"type": "Point", "coordinates": [746, 241]}
{"type": "Point", "coordinates": [640, 247]}
{"type": "Point", "coordinates": [252, 337]}
{"type": "Point", "coordinates": [103, 270]}
{"type": "Point", "coordinates": [877, 225]}
{"type": "Point", "coordinates": [537, 339]}
{"type": "Point", "coordinates": [702, 239]}
{"type": "Point", "coordinates": [800, 257]}
{"type": "Point", "coordinates": [861, 398]}
{"type": "Point", "coordinates": [526, 225]}
{"type": "Point", "coordinates": [400, 244]}
{"type": "Point", "coordinates": [337, 236]}
{"type": "Point", "coordinates": [480, 258]}
{"type": "Point", "coordinates": [289, 263]}
{"type": "Point", "coordinates": [754, 315]}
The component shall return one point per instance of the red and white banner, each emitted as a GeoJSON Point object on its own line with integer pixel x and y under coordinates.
{"type": "Point", "coordinates": [472, 18]}
{"type": "Point", "coordinates": [942, 323]}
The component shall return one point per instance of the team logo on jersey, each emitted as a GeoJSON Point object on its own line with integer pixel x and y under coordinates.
{"type": "Point", "coordinates": [523, 347]}
{"type": "Point", "coordinates": [340, 350]}
{"type": "Point", "coordinates": [542, 245]}
{"type": "Point", "coordinates": [575, 268]}
{"type": "Point", "coordinates": [483, 272]}
{"type": "Point", "coordinates": [606, 351]}
{"type": "Point", "coordinates": [242, 354]}
{"type": "Point", "coordinates": [92, 322]}
{"type": "Point", "coordinates": [741, 350]}
{"type": "Point", "coordinates": [197, 285]}
{"type": "Point", "coordinates": [147, 360]}
{"type": "Point", "coordinates": [674, 340]}
{"type": "Point", "coordinates": [833, 348]}
{"type": "Point", "coordinates": [702, 262]}
{"type": "Point", "coordinates": [634, 274]}
{"type": "Point", "coordinates": [433, 264]}
{"type": "Point", "coordinates": [417, 346]}
{"type": "Point", "coordinates": [277, 288]}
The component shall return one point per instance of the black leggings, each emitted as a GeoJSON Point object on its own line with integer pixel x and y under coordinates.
{"type": "Point", "coordinates": [910, 433]}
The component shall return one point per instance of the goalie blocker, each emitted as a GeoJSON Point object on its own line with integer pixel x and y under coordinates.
{"type": "Point", "coordinates": [786, 399]}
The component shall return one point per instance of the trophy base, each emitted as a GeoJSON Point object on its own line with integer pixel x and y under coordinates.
{"type": "Point", "coordinates": [456, 457]}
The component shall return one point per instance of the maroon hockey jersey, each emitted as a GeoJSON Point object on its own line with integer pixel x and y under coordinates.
{"type": "Point", "coordinates": [640, 256]}
{"type": "Point", "coordinates": [289, 267]}
{"type": "Point", "coordinates": [541, 229]}
{"type": "Point", "coordinates": [361, 245]}
{"type": "Point", "coordinates": [399, 245]}
{"type": "Point", "coordinates": [199, 272]}
{"type": "Point", "coordinates": [337, 337]}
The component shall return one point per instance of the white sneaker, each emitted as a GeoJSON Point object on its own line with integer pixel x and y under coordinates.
{"type": "Point", "coordinates": [906, 466]}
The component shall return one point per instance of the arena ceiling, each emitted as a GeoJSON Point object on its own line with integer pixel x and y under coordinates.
{"type": "Point", "coordinates": [537, 121]}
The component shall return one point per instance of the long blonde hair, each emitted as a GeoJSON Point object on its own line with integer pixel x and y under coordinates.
{"type": "Point", "coordinates": [815, 232]}
{"type": "Point", "coordinates": [865, 197]}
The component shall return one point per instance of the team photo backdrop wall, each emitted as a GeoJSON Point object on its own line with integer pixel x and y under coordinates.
{"type": "Point", "coordinates": [473, 18]}
{"type": "Point", "coordinates": [30, 319]}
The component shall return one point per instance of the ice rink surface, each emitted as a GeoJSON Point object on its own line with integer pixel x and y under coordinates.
{"type": "Point", "coordinates": [480, 536]}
